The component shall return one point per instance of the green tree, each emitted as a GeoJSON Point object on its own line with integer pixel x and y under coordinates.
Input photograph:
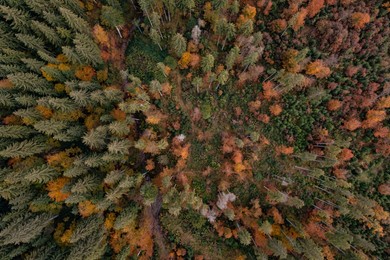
{"type": "Point", "coordinates": [222, 78]}
{"type": "Point", "coordinates": [75, 22]}
{"type": "Point", "coordinates": [197, 83]}
{"type": "Point", "coordinates": [49, 33]}
{"type": "Point", "coordinates": [155, 36]}
{"type": "Point", "coordinates": [87, 49]}
{"type": "Point", "coordinates": [19, 19]}
{"type": "Point", "coordinates": [178, 44]}
{"type": "Point", "coordinates": [244, 236]}
{"type": "Point", "coordinates": [149, 193]}
{"type": "Point", "coordinates": [232, 57]}
{"type": "Point", "coordinates": [277, 248]}
{"type": "Point", "coordinates": [207, 63]}
{"type": "Point", "coordinates": [230, 33]}
{"type": "Point", "coordinates": [251, 59]}
{"type": "Point", "coordinates": [112, 17]}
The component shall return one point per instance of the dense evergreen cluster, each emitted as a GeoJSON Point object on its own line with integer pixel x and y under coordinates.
{"type": "Point", "coordinates": [194, 129]}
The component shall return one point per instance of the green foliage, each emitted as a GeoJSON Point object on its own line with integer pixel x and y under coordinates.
{"type": "Point", "coordinates": [87, 49]}
{"type": "Point", "coordinates": [149, 193]}
{"type": "Point", "coordinates": [178, 44]}
{"type": "Point", "coordinates": [111, 16]}
{"type": "Point", "coordinates": [24, 148]}
{"type": "Point", "coordinates": [75, 22]}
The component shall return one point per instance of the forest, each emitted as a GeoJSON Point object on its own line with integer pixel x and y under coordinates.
{"type": "Point", "coordinates": [194, 129]}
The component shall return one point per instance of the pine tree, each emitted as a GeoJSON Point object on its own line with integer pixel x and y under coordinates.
{"type": "Point", "coordinates": [310, 250]}
{"type": "Point", "coordinates": [19, 19]}
{"type": "Point", "coordinates": [197, 83]}
{"type": "Point", "coordinates": [127, 217]}
{"type": "Point", "coordinates": [277, 248]}
{"type": "Point", "coordinates": [149, 193]}
{"type": "Point", "coordinates": [251, 59]}
{"type": "Point", "coordinates": [87, 49]}
{"type": "Point", "coordinates": [179, 44]}
{"type": "Point", "coordinates": [50, 127]}
{"type": "Point", "coordinates": [41, 174]}
{"type": "Point", "coordinates": [33, 64]}
{"type": "Point", "coordinates": [230, 33]}
{"type": "Point", "coordinates": [244, 236]}
{"type": "Point", "coordinates": [155, 36]}
{"type": "Point", "coordinates": [95, 139]}
{"type": "Point", "coordinates": [23, 149]}
{"type": "Point", "coordinates": [112, 18]}
{"type": "Point", "coordinates": [223, 77]}
{"type": "Point", "coordinates": [30, 41]}
{"type": "Point", "coordinates": [16, 131]}
{"type": "Point", "coordinates": [24, 230]}
{"type": "Point", "coordinates": [49, 33]}
{"type": "Point", "coordinates": [207, 63]}
{"type": "Point", "coordinates": [232, 57]}
{"type": "Point", "coordinates": [75, 22]}
{"type": "Point", "coordinates": [119, 147]}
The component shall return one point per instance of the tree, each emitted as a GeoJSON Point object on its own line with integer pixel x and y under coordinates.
{"type": "Point", "coordinates": [207, 63]}
{"type": "Point", "coordinates": [340, 239]}
{"type": "Point", "coordinates": [178, 44]}
{"type": "Point", "coordinates": [195, 34]}
{"type": "Point", "coordinates": [310, 250]}
{"type": "Point", "coordinates": [223, 77]}
{"type": "Point", "coordinates": [78, 24]}
{"type": "Point", "coordinates": [155, 18]}
{"type": "Point", "coordinates": [197, 83]}
{"type": "Point", "coordinates": [155, 36]}
{"type": "Point", "coordinates": [48, 32]}
{"type": "Point", "coordinates": [19, 19]}
{"type": "Point", "coordinates": [112, 18]}
{"type": "Point", "coordinates": [230, 32]}
{"type": "Point", "coordinates": [87, 49]}
{"type": "Point", "coordinates": [149, 193]}
{"type": "Point", "coordinates": [250, 59]}
{"type": "Point", "coordinates": [359, 20]}
{"type": "Point", "coordinates": [314, 7]}
{"type": "Point", "coordinates": [232, 57]}
{"type": "Point", "coordinates": [24, 148]}
{"type": "Point", "coordinates": [277, 248]}
{"type": "Point", "coordinates": [145, 5]}
{"type": "Point", "coordinates": [246, 29]}
{"type": "Point", "coordinates": [318, 69]}
{"type": "Point", "coordinates": [244, 236]}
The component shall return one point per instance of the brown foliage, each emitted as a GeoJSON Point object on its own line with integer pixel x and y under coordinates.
{"type": "Point", "coordinates": [268, 90]}
{"type": "Point", "coordinates": [359, 20]}
{"type": "Point", "coordinates": [352, 124]}
{"type": "Point", "coordinates": [185, 60]}
{"type": "Point", "coordinates": [300, 19]}
{"type": "Point", "coordinates": [383, 103]}
{"type": "Point", "coordinates": [384, 189]}
{"type": "Point", "coordinates": [314, 7]}
{"type": "Point", "coordinates": [334, 105]}
{"type": "Point", "coordinates": [263, 118]}
{"type": "Point", "coordinates": [373, 118]}
{"type": "Point", "coordinates": [85, 73]}
{"type": "Point", "coordinates": [87, 208]}
{"type": "Point", "coordinates": [318, 69]}
{"type": "Point", "coordinates": [278, 218]}
{"type": "Point", "coordinates": [345, 155]}
{"type": "Point", "coordinates": [275, 109]}
{"type": "Point", "coordinates": [279, 25]}
{"type": "Point", "coordinates": [382, 132]}
{"type": "Point", "coordinates": [55, 189]}
{"type": "Point", "coordinates": [284, 150]}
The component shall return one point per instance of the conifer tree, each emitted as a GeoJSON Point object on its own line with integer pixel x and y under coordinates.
{"type": "Point", "coordinates": [178, 44]}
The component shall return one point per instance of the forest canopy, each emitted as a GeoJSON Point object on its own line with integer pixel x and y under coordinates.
{"type": "Point", "coordinates": [194, 129]}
